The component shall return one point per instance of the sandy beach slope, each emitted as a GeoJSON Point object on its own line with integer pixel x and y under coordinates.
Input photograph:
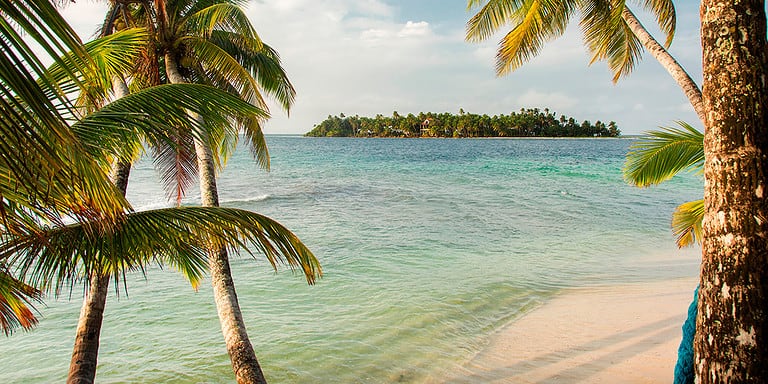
{"type": "Point", "coordinates": [622, 334]}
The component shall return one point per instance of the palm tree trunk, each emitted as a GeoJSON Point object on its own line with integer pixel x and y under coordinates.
{"type": "Point", "coordinates": [666, 60]}
{"type": "Point", "coordinates": [241, 354]}
{"type": "Point", "coordinates": [731, 342]}
{"type": "Point", "coordinates": [82, 366]}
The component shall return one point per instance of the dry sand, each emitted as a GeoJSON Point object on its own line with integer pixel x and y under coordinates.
{"type": "Point", "coordinates": [623, 334]}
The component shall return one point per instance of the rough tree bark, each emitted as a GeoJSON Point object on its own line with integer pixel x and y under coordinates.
{"type": "Point", "coordinates": [241, 354]}
{"type": "Point", "coordinates": [731, 343]}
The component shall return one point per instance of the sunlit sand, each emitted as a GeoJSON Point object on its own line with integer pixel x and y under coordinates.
{"type": "Point", "coordinates": [621, 334]}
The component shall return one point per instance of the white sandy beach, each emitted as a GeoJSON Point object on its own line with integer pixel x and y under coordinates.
{"type": "Point", "coordinates": [623, 334]}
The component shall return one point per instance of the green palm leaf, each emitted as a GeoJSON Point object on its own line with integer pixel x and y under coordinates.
{"type": "Point", "coordinates": [43, 164]}
{"type": "Point", "coordinates": [666, 16]}
{"type": "Point", "coordinates": [16, 304]}
{"type": "Point", "coordinates": [663, 154]}
{"type": "Point", "coordinates": [179, 237]}
{"type": "Point", "coordinates": [221, 16]}
{"type": "Point", "coordinates": [216, 67]}
{"type": "Point", "coordinates": [110, 57]}
{"type": "Point", "coordinates": [686, 223]}
{"type": "Point", "coordinates": [152, 112]}
{"type": "Point", "coordinates": [608, 36]}
{"type": "Point", "coordinates": [262, 61]}
{"type": "Point", "coordinates": [534, 23]}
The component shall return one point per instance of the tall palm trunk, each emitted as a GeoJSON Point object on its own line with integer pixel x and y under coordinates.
{"type": "Point", "coordinates": [82, 366]}
{"type": "Point", "coordinates": [241, 354]}
{"type": "Point", "coordinates": [666, 60]}
{"type": "Point", "coordinates": [731, 343]}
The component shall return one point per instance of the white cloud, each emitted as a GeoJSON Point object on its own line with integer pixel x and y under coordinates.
{"type": "Point", "coordinates": [375, 56]}
{"type": "Point", "coordinates": [412, 29]}
{"type": "Point", "coordinates": [374, 35]}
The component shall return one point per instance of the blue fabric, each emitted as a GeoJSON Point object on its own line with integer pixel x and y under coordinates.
{"type": "Point", "coordinates": [684, 367]}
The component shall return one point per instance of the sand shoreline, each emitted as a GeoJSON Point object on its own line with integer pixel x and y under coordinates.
{"type": "Point", "coordinates": [618, 334]}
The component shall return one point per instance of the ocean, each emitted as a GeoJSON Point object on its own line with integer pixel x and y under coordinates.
{"type": "Point", "coordinates": [428, 247]}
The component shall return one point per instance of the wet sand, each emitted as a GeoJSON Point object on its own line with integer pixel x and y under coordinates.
{"type": "Point", "coordinates": [620, 334]}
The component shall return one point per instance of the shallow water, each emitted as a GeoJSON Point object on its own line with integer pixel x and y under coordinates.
{"type": "Point", "coordinates": [428, 246]}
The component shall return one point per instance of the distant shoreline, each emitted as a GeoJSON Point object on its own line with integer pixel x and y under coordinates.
{"type": "Point", "coordinates": [531, 122]}
{"type": "Point", "coordinates": [622, 137]}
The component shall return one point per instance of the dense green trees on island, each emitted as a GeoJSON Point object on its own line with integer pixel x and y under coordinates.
{"type": "Point", "coordinates": [526, 123]}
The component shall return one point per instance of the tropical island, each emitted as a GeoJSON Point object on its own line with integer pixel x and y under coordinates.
{"type": "Point", "coordinates": [531, 122]}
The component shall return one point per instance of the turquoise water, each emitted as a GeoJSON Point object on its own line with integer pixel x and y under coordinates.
{"type": "Point", "coordinates": [428, 246]}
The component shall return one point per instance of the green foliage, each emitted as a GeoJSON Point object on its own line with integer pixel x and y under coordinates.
{"type": "Point", "coordinates": [662, 154]}
{"type": "Point", "coordinates": [536, 22]}
{"type": "Point", "coordinates": [16, 300]}
{"type": "Point", "coordinates": [686, 222]}
{"type": "Point", "coordinates": [526, 123]}
{"type": "Point", "coordinates": [659, 157]}
{"type": "Point", "coordinates": [179, 237]}
{"type": "Point", "coordinates": [46, 170]}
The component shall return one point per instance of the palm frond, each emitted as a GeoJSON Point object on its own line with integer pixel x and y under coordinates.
{"type": "Point", "coordinates": [180, 237]}
{"type": "Point", "coordinates": [535, 22]}
{"type": "Point", "coordinates": [177, 164]}
{"type": "Point", "coordinates": [608, 37]}
{"type": "Point", "coordinates": [221, 16]}
{"type": "Point", "coordinates": [223, 71]}
{"type": "Point", "coordinates": [150, 113]}
{"type": "Point", "coordinates": [663, 154]}
{"type": "Point", "coordinates": [492, 16]}
{"type": "Point", "coordinates": [110, 57]}
{"type": "Point", "coordinates": [263, 63]}
{"type": "Point", "coordinates": [40, 156]}
{"type": "Point", "coordinates": [666, 16]}
{"type": "Point", "coordinates": [686, 223]}
{"type": "Point", "coordinates": [16, 299]}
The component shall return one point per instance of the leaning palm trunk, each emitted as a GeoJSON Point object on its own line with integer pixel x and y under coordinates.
{"type": "Point", "coordinates": [731, 342]}
{"type": "Point", "coordinates": [666, 60]}
{"type": "Point", "coordinates": [82, 366]}
{"type": "Point", "coordinates": [241, 354]}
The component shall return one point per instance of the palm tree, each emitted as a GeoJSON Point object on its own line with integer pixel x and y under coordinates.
{"type": "Point", "coordinates": [213, 42]}
{"type": "Point", "coordinates": [34, 208]}
{"type": "Point", "coordinates": [732, 324]}
{"type": "Point", "coordinates": [611, 32]}
{"type": "Point", "coordinates": [86, 345]}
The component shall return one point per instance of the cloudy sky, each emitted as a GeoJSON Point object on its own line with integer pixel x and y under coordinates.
{"type": "Point", "coordinates": [378, 56]}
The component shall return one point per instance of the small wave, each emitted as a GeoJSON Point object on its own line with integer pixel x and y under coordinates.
{"type": "Point", "coordinates": [252, 199]}
{"type": "Point", "coordinates": [149, 206]}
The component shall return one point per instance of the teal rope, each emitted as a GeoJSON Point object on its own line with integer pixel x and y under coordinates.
{"type": "Point", "coordinates": [684, 367]}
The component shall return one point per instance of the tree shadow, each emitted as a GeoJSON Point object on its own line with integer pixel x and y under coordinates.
{"type": "Point", "coordinates": [648, 337]}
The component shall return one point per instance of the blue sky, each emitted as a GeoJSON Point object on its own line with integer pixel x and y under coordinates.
{"type": "Point", "coordinates": [377, 56]}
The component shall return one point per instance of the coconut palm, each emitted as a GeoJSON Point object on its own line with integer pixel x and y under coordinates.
{"type": "Point", "coordinates": [611, 32]}
{"type": "Point", "coordinates": [213, 42]}
{"type": "Point", "coordinates": [35, 209]}
{"type": "Point", "coordinates": [86, 345]}
{"type": "Point", "coordinates": [729, 344]}
{"type": "Point", "coordinates": [660, 156]}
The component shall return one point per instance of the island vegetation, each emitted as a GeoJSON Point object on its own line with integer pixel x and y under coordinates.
{"type": "Point", "coordinates": [531, 122]}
